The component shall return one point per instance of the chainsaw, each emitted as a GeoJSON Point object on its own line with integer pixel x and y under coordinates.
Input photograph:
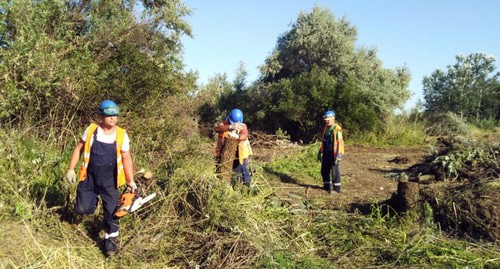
{"type": "Point", "coordinates": [130, 202]}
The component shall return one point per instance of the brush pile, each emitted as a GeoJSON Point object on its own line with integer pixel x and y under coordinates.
{"type": "Point", "coordinates": [461, 181]}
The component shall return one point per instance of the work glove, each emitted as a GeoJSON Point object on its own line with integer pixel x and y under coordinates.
{"type": "Point", "coordinates": [319, 156]}
{"type": "Point", "coordinates": [132, 186]}
{"type": "Point", "coordinates": [233, 135]}
{"type": "Point", "coordinates": [71, 176]}
{"type": "Point", "coordinates": [237, 126]}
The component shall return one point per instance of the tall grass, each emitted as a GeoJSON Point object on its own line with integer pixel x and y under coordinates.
{"type": "Point", "coordinates": [197, 221]}
{"type": "Point", "coordinates": [399, 131]}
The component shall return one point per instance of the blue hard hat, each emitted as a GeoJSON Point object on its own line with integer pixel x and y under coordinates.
{"type": "Point", "coordinates": [329, 114]}
{"type": "Point", "coordinates": [109, 108]}
{"type": "Point", "coordinates": [235, 116]}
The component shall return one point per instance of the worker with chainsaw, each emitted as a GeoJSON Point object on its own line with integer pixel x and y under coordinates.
{"type": "Point", "coordinates": [331, 152]}
{"type": "Point", "coordinates": [232, 127]}
{"type": "Point", "coordinates": [106, 165]}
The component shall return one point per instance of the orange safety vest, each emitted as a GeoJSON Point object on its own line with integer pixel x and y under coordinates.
{"type": "Point", "coordinates": [338, 141]}
{"type": "Point", "coordinates": [244, 148]}
{"type": "Point", "coordinates": [120, 136]}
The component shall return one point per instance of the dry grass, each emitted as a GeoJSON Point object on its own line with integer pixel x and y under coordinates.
{"type": "Point", "coordinates": [197, 221]}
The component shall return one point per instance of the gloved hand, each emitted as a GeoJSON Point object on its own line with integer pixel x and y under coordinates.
{"type": "Point", "coordinates": [233, 135]}
{"type": "Point", "coordinates": [319, 156]}
{"type": "Point", "coordinates": [71, 176]}
{"type": "Point", "coordinates": [132, 186]}
{"type": "Point", "coordinates": [237, 126]}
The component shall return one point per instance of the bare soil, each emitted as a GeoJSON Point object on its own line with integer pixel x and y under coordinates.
{"type": "Point", "coordinates": [368, 175]}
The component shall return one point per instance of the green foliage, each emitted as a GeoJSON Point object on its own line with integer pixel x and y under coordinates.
{"type": "Point", "coordinates": [209, 101]}
{"type": "Point", "coordinates": [162, 132]}
{"type": "Point", "coordinates": [468, 153]}
{"type": "Point", "coordinates": [316, 38]}
{"type": "Point", "coordinates": [316, 67]}
{"type": "Point", "coordinates": [299, 167]}
{"type": "Point", "coordinates": [468, 88]}
{"type": "Point", "coordinates": [446, 124]}
{"type": "Point", "coordinates": [290, 261]}
{"type": "Point", "coordinates": [399, 131]}
{"type": "Point", "coordinates": [388, 241]}
{"type": "Point", "coordinates": [61, 59]}
{"type": "Point", "coordinates": [280, 134]}
{"type": "Point", "coordinates": [198, 221]}
{"type": "Point", "coordinates": [293, 105]}
{"type": "Point", "coordinates": [486, 124]}
{"type": "Point", "coordinates": [30, 175]}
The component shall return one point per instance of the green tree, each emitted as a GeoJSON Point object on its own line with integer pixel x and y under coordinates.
{"type": "Point", "coordinates": [469, 88]}
{"type": "Point", "coordinates": [319, 45]}
{"type": "Point", "coordinates": [219, 96]}
{"type": "Point", "coordinates": [316, 38]}
{"type": "Point", "coordinates": [61, 58]}
{"type": "Point", "coordinates": [208, 101]}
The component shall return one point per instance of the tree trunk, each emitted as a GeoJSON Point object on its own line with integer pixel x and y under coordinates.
{"type": "Point", "coordinates": [408, 194]}
{"type": "Point", "coordinates": [228, 154]}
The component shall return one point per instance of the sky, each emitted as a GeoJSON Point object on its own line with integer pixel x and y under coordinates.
{"type": "Point", "coordinates": [423, 35]}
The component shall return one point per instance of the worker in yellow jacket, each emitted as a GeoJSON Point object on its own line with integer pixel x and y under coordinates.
{"type": "Point", "coordinates": [234, 127]}
{"type": "Point", "coordinates": [106, 165]}
{"type": "Point", "coordinates": [331, 152]}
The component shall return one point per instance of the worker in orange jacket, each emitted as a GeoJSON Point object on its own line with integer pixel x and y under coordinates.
{"type": "Point", "coordinates": [233, 127]}
{"type": "Point", "coordinates": [106, 165]}
{"type": "Point", "coordinates": [331, 152]}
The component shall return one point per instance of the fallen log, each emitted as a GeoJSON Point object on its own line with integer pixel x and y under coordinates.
{"type": "Point", "coordinates": [228, 155]}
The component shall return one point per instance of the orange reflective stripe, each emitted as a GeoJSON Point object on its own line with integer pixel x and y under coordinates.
{"type": "Point", "coordinates": [120, 137]}
{"type": "Point", "coordinates": [219, 143]}
{"type": "Point", "coordinates": [244, 148]}
{"type": "Point", "coordinates": [338, 141]}
{"type": "Point", "coordinates": [86, 152]}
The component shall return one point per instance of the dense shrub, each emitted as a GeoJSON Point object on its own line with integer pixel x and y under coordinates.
{"type": "Point", "coordinates": [446, 124]}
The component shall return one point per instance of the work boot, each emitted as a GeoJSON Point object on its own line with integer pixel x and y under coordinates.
{"type": "Point", "coordinates": [327, 187]}
{"type": "Point", "coordinates": [337, 189]}
{"type": "Point", "coordinates": [110, 246]}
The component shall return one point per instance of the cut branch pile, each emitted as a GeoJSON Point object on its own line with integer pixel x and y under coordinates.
{"type": "Point", "coordinates": [263, 140]}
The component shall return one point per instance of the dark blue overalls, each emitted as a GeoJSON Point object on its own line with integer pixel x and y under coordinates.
{"type": "Point", "coordinates": [241, 169]}
{"type": "Point", "coordinates": [329, 170]}
{"type": "Point", "coordinates": [100, 181]}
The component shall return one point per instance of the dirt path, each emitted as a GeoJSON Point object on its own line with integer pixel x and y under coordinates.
{"type": "Point", "coordinates": [368, 176]}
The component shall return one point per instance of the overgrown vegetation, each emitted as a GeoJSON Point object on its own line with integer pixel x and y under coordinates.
{"type": "Point", "coordinates": [468, 88]}
{"type": "Point", "coordinates": [398, 131]}
{"type": "Point", "coordinates": [197, 221]}
{"type": "Point", "coordinates": [465, 195]}
{"type": "Point", "coordinates": [59, 59]}
{"type": "Point", "coordinates": [316, 66]}
{"type": "Point", "coordinates": [447, 124]}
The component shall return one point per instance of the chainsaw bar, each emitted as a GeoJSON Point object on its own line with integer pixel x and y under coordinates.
{"type": "Point", "coordinates": [138, 202]}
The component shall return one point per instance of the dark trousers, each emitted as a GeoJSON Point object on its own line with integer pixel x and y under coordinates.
{"type": "Point", "coordinates": [87, 198]}
{"type": "Point", "coordinates": [100, 182]}
{"type": "Point", "coordinates": [242, 170]}
{"type": "Point", "coordinates": [330, 172]}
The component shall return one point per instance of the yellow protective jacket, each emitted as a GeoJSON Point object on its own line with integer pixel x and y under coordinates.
{"type": "Point", "coordinates": [120, 136]}
{"type": "Point", "coordinates": [244, 148]}
{"type": "Point", "coordinates": [338, 142]}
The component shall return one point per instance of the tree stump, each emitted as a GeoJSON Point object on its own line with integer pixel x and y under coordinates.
{"type": "Point", "coordinates": [228, 154]}
{"type": "Point", "coordinates": [407, 194]}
